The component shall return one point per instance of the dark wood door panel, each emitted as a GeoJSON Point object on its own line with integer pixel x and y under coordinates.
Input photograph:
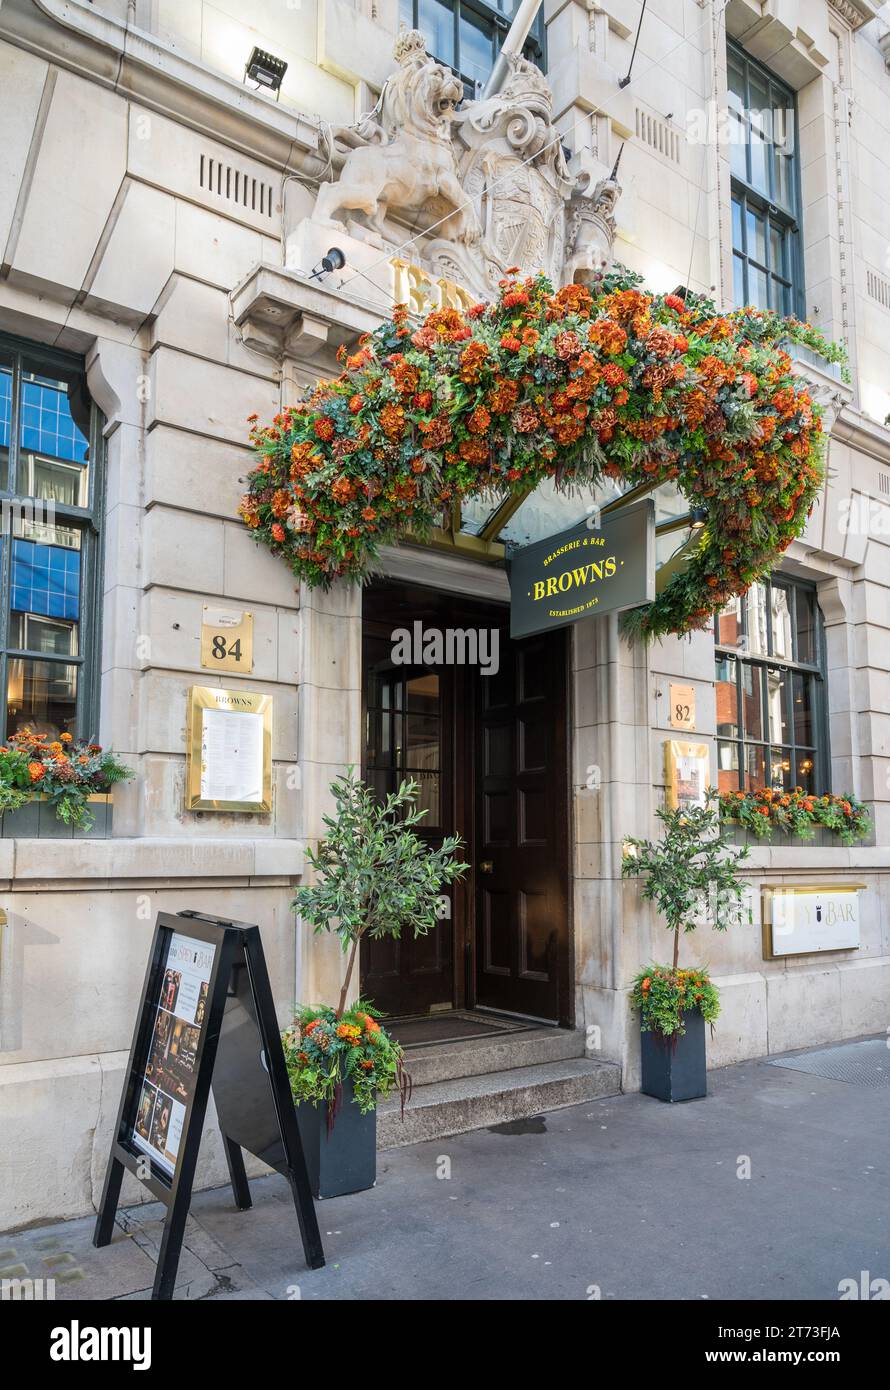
{"type": "Point", "coordinates": [521, 861]}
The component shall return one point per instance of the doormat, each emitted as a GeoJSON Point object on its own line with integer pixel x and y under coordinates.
{"type": "Point", "coordinates": [862, 1063]}
{"type": "Point", "coordinates": [450, 1027]}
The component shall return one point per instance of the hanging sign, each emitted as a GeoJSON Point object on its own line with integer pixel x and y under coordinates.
{"type": "Point", "coordinates": [802, 919]}
{"type": "Point", "coordinates": [227, 640]}
{"type": "Point", "coordinates": [229, 762]}
{"type": "Point", "coordinates": [206, 1016]}
{"type": "Point", "coordinates": [604, 564]}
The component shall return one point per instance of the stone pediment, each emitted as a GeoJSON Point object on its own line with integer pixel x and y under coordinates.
{"type": "Point", "coordinates": [486, 181]}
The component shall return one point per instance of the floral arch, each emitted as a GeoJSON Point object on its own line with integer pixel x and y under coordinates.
{"type": "Point", "coordinates": [576, 385]}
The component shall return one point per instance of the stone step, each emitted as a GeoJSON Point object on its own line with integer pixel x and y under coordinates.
{"type": "Point", "coordinates": [476, 1056]}
{"type": "Point", "coordinates": [474, 1102]}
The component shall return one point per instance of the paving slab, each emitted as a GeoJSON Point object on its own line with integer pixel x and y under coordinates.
{"type": "Point", "coordinates": [773, 1187]}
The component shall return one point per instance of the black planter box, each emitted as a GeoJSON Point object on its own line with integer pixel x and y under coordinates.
{"type": "Point", "coordinates": [344, 1160]}
{"type": "Point", "coordinates": [675, 1068]}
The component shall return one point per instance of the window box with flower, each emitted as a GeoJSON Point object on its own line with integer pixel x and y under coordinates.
{"type": "Point", "coordinates": [690, 875]}
{"type": "Point", "coordinates": [56, 788]}
{"type": "Point", "coordinates": [375, 877]}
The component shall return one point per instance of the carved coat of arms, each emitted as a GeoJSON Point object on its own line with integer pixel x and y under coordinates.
{"type": "Point", "coordinates": [488, 182]}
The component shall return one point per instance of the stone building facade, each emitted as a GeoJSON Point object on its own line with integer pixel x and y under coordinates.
{"type": "Point", "coordinates": [160, 229]}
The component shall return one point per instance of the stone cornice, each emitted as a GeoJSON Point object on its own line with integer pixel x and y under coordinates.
{"type": "Point", "coordinates": [282, 314]}
{"type": "Point", "coordinates": [143, 69]}
{"type": "Point", "coordinates": [855, 12]}
{"type": "Point", "coordinates": [863, 434]}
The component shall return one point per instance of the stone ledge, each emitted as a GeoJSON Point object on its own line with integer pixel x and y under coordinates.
{"type": "Point", "coordinates": [107, 862]}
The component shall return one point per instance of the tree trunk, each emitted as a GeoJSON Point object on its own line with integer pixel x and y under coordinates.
{"type": "Point", "coordinates": [676, 947]}
{"type": "Point", "coordinates": [345, 990]}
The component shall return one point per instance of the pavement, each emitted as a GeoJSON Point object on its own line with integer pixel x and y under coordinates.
{"type": "Point", "coordinates": [774, 1187]}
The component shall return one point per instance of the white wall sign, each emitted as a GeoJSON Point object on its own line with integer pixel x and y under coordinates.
{"type": "Point", "coordinates": [800, 920]}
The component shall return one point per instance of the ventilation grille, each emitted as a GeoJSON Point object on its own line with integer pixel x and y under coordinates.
{"type": "Point", "coordinates": [878, 288]}
{"type": "Point", "coordinates": [884, 483]}
{"type": "Point", "coordinates": [658, 134]}
{"type": "Point", "coordinates": [235, 186]}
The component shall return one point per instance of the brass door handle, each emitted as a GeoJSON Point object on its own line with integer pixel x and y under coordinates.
{"type": "Point", "coordinates": [486, 866]}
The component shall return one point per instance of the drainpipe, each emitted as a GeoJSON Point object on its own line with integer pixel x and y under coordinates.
{"type": "Point", "coordinates": [517, 34]}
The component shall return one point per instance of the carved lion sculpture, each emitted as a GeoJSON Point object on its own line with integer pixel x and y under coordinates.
{"type": "Point", "coordinates": [410, 165]}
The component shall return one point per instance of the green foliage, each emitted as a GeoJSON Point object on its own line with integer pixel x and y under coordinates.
{"type": "Point", "coordinates": [663, 995]}
{"type": "Point", "coordinates": [571, 387]}
{"type": "Point", "coordinates": [64, 771]}
{"type": "Point", "coordinates": [322, 1050]}
{"type": "Point", "coordinates": [376, 877]}
{"type": "Point", "coordinates": [796, 812]}
{"type": "Point", "coordinates": [691, 869]}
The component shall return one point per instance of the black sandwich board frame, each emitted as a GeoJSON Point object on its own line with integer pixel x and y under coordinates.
{"type": "Point", "coordinates": [238, 988]}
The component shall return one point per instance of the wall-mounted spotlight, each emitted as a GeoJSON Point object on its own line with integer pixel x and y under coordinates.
{"type": "Point", "coordinates": [266, 70]}
{"type": "Point", "coordinates": [698, 516]}
{"type": "Point", "coordinates": [331, 260]}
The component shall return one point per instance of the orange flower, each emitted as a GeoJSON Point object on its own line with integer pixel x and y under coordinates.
{"type": "Point", "coordinates": [36, 771]}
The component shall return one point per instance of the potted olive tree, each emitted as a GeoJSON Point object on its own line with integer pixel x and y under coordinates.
{"type": "Point", "coordinates": [691, 876]}
{"type": "Point", "coordinates": [374, 877]}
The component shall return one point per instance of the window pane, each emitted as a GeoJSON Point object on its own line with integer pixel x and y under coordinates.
{"type": "Point", "coordinates": [801, 687]}
{"type": "Point", "coordinates": [5, 414]}
{"type": "Point", "coordinates": [755, 228]}
{"type": "Point", "coordinates": [785, 191]}
{"type": "Point", "coordinates": [755, 601]}
{"type": "Point", "coordinates": [738, 147]}
{"type": "Point", "coordinates": [752, 702]}
{"type": "Point", "coordinates": [736, 82]}
{"type": "Point", "coordinates": [777, 250]}
{"type": "Point", "coordinates": [738, 282]}
{"type": "Point", "coordinates": [45, 580]}
{"type": "Point", "coordinates": [780, 296]}
{"type": "Point", "coordinates": [427, 797]}
{"type": "Point", "coordinates": [781, 616]}
{"type": "Point", "coordinates": [41, 696]}
{"type": "Point", "coordinates": [804, 600]}
{"type": "Point", "coordinates": [758, 287]}
{"type": "Point", "coordinates": [55, 414]}
{"type": "Point", "coordinates": [727, 767]}
{"type": "Point", "coordinates": [729, 623]}
{"type": "Point", "coordinates": [475, 47]}
{"type": "Point", "coordinates": [759, 125]}
{"type": "Point", "coordinates": [805, 771]}
{"type": "Point", "coordinates": [755, 767]}
{"type": "Point", "coordinates": [727, 698]}
{"type": "Point", "coordinates": [780, 768]}
{"type": "Point", "coordinates": [737, 225]}
{"type": "Point", "coordinates": [406, 13]}
{"type": "Point", "coordinates": [436, 22]}
{"type": "Point", "coordinates": [777, 701]}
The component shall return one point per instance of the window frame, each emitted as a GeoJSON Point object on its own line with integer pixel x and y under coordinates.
{"type": "Point", "coordinates": [749, 195]}
{"type": "Point", "coordinates": [88, 520]}
{"type": "Point", "coordinates": [761, 663]}
{"type": "Point", "coordinates": [535, 46]}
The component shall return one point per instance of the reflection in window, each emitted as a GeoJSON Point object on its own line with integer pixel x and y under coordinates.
{"type": "Point", "coordinates": [467, 35]}
{"type": "Point", "coordinates": [403, 734]}
{"type": "Point", "coordinates": [770, 690]}
{"type": "Point", "coordinates": [47, 563]}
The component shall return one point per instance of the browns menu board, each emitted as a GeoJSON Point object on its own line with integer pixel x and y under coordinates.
{"type": "Point", "coordinates": [170, 1069]}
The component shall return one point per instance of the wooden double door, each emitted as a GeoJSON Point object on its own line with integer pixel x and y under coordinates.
{"type": "Point", "coordinates": [490, 755]}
